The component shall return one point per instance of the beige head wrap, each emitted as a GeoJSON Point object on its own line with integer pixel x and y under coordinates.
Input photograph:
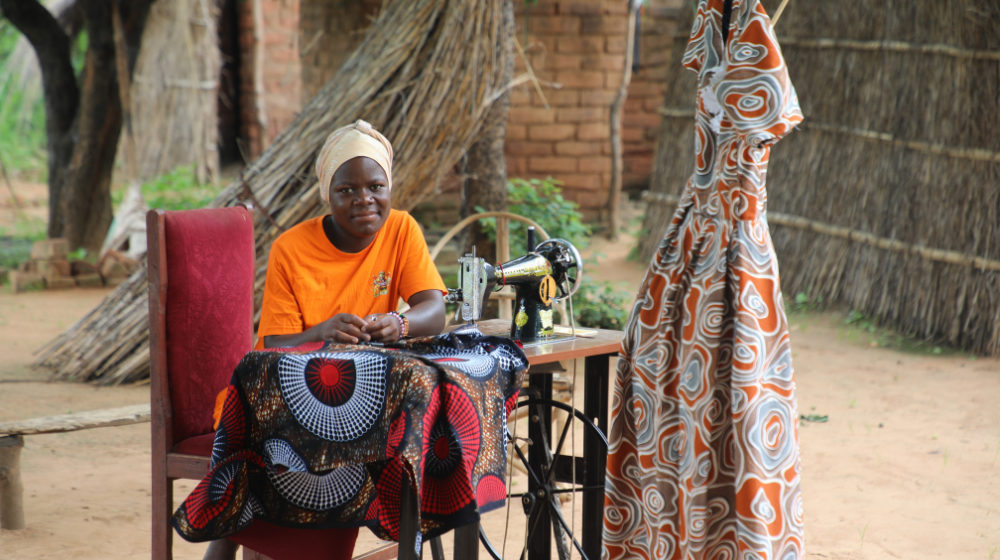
{"type": "Point", "coordinates": [349, 142]}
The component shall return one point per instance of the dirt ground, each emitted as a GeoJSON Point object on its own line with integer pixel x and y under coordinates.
{"type": "Point", "coordinates": [908, 465]}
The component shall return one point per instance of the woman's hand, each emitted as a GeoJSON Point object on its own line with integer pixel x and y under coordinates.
{"type": "Point", "coordinates": [344, 327]}
{"type": "Point", "coordinates": [382, 327]}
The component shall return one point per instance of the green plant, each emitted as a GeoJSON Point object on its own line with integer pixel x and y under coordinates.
{"type": "Point", "coordinates": [177, 190]}
{"type": "Point", "coordinates": [601, 305]}
{"type": "Point", "coordinates": [540, 200]}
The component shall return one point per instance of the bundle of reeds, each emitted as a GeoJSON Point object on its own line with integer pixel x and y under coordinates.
{"type": "Point", "coordinates": [174, 90]}
{"type": "Point", "coordinates": [901, 145]}
{"type": "Point", "coordinates": [425, 75]}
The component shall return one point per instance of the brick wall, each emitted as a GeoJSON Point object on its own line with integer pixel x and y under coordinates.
{"type": "Point", "coordinates": [580, 44]}
{"type": "Point", "coordinates": [281, 77]}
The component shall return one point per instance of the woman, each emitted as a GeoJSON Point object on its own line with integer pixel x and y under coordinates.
{"type": "Point", "coordinates": [338, 278]}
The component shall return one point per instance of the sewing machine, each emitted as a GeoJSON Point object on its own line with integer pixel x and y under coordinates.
{"type": "Point", "coordinates": [539, 279]}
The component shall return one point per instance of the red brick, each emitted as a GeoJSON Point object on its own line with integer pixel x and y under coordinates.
{"type": "Point", "coordinates": [552, 164]}
{"type": "Point", "coordinates": [603, 62]}
{"type": "Point", "coordinates": [554, 25]}
{"type": "Point", "coordinates": [529, 148]}
{"type": "Point", "coordinates": [560, 98]}
{"type": "Point", "coordinates": [582, 8]}
{"type": "Point", "coordinates": [520, 97]}
{"type": "Point", "coordinates": [652, 104]}
{"type": "Point", "coordinates": [628, 134]}
{"type": "Point", "coordinates": [597, 98]}
{"type": "Point", "coordinates": [570, 148]}
{"type": "Point", "coordinates": [556, 61]}
{"type": "Point", "coordinates": [615, 45]}
{"type": "Point", "coordinates": [581, 181]}
{"type": "Point", "coordinates": [580, 44]}
{"type": "Point", "coordinates": [551, 132]}
{"type": "Point", "coordinates": [581, 80]}
{"type": "Point", "coordinates": [595, 164]}
{"type": "Point", "coordinates": [613, 79]}
{"type": "Point", "coordinates": [548, 8]}
{"type": "Point", "coordinates": [633, 105]}
{"type": "Point", "coordinates": [594, 131]}
{"type": "Point", "coordinates": [642, 119]}
{"type": "Point", "coordinates": [604, 25]}
{"type": "Point", "coordinates": [531, 115]}
{"type": "Point", "coordinates": [581, 115]}
{"type": "Point", "coordinates": [645, 89]}
{"type": "Point", "coordinates": [517, 132]}
{"type": "Point", "coordinates": [517, 165]}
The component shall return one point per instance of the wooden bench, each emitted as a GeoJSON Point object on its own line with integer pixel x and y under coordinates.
{"type": "Point", "coordinates": [12, 441]}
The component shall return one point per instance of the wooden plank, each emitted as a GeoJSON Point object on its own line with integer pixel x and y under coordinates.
{"type": "Point", "coordinates": [124, 416]}
{"type": "Point", "coordinates": [191, 467]}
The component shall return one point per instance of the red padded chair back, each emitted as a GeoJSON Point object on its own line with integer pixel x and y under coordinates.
{"type": "Point", "coordinates": [209, 309]}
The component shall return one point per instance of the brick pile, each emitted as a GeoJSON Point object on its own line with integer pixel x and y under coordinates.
{"type": "Point", "coordinates": [50, 268]}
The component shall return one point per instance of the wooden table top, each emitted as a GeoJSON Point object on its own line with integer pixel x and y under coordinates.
{"type": "Point", "coordinates": [605, 342]}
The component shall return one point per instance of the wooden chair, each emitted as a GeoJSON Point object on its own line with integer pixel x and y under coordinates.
{"type": "Point", "coordinates": [201, 277]}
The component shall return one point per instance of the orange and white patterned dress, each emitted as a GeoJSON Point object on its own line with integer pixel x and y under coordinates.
{"type": "Point", "coordinates": [704, 457]}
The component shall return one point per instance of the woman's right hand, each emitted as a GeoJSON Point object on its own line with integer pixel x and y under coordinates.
{"type": "Point", "coordinates": [345, 328]}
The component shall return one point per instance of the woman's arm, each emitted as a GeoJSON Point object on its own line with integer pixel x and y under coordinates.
{"type": "Point", "coordinates": [343, 327]}
{"type": "Point", "coordinates": [426, 317]}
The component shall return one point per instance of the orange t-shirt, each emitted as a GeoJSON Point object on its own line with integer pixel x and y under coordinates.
{"type": "Point", "coordinates": [309, 280]}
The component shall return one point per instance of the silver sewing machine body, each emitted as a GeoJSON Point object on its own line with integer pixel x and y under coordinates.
{"type": "Point", "coordinates": [543, 276]}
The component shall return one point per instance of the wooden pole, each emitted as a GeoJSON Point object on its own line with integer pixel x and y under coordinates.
{"type": "Point", "coordinates": [11, 490]}
{"type": "Point", "coordinates": [615, 194]}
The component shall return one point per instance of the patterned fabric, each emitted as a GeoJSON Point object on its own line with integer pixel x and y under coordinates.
{"type": "Point", "coordinates": [324, 437]}
{"type": "Point", "coordinates": [704, 459]}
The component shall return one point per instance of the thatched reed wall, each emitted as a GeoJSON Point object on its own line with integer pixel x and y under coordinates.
{"type": "Point", "coordinates": [901, 141]}
{"type": "Point", "coordinates": [175, 90]}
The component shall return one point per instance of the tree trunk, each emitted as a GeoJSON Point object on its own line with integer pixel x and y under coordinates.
{"type": "Point", "coordinates": [83, 121]}
{"type": "Point", "coordinates": [484, 167]}
{"type": "Point", "coordinates": [52, 46]}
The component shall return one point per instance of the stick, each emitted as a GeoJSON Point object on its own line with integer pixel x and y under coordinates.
{"type": "Point", "coordinates": [615, 194]}
{"type": "Point", "coordinates": [777, 15]}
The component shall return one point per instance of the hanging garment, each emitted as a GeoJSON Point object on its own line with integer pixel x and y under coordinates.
{"type": "Point", "coordinates": [325, 437]}
{"type": "Point", "coordinates": [704, 459]}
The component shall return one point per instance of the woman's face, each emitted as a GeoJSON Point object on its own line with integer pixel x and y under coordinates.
{"type": "Point", "coordinates": [359, 197]}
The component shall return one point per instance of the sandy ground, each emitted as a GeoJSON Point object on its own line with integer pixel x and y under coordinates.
{"type": "Point", "coordinates": [908, 465]}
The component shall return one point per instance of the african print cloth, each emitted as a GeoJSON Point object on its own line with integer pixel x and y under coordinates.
{"type": "Point", "coordinates": [704, 459]}
{"type": "Point", "coordinates": [324, 438]}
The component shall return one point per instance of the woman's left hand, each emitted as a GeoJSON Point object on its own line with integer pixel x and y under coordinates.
{"type": "Point", "coordinates": [382, 327]}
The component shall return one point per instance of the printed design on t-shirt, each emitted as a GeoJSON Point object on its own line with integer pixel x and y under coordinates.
{"type": "Point", "coordinates": [380, 283]}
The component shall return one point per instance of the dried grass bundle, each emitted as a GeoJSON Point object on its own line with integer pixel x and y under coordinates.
{"type": "Point", "coordinates": [923, 179]}
{"type": "Point", "coordinates": [424, 75]}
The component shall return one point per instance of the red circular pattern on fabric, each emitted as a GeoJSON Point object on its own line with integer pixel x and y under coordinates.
{"type": "Point", "coordinates": [447, 481]}
{"type": "Point", "coordinates": [330, 375]}
{"type": "Point", "coordinates": [490, 489]}
{"type": "Point", "coordinates": [332, 382]}
{"type": "Point", "coordinates": [442, 447]}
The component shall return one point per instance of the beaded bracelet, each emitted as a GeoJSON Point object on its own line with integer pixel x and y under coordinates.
{"type": "Point", "coordinates": [404, 323]}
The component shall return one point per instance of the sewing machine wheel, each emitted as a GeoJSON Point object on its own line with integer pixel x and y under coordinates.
{"type": "Point", "coordinates": [540, 487]}
{"type": "Point", "coordinates": [565, 257]}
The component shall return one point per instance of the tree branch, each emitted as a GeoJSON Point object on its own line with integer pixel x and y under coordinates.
{"type": "Point", "coordinates": [52, 46]}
